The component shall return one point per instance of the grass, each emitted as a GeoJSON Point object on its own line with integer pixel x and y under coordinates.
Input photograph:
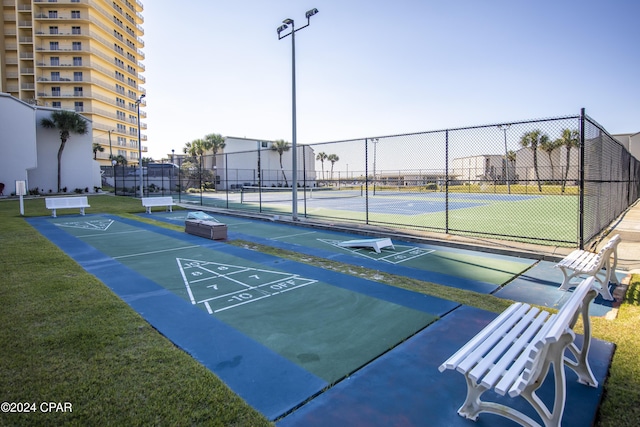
{"type": "Point", "coordinates": [66, 337]}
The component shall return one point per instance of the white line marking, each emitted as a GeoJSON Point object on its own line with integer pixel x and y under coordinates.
{"type": "Point", "coordinates": [111, 234]}
{"type": "Point", "coordinates": [292, 235]}
{"type": "Point", "coordinates": [206, 304]}
{"type": "Point", "coordinates": [186, 282]}
{"type": "Point", "coordinates": [156, 252]}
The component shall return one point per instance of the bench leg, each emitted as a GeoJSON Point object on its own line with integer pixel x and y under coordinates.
{"type": "Point", "coordinates": [148, 209]}
{"type": "Point", "coordinates": [566, 282]}
{"type": "Point", "coordinates": [581, 365]}
{"type": "Point", "coordinates": [473, 406]}
{"type": "Point", "coordinates": [82, 211]}
{"type": "Point", "coordinates": [53, 213]}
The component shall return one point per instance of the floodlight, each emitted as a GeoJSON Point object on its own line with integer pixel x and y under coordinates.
{"type": "Point", "coordinates": [288, 21]}
{"type": "Point", "coordinates": [311, 12]}
{"type": "Point", "coordinates": [281, 28]}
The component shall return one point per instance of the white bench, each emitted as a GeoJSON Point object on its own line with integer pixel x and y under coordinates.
{"type": "Point", "coordinates": [513, 354]}
{"type": "Point", "coordinates": [375, 244]}
{"type": "Point", "coordinates": [55, 203]}
{"type": "Point", "coordinates": [150, 202]}
{"type": "Point", "coordinates": [580, 262]}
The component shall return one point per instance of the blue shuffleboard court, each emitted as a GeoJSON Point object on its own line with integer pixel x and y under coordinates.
{"type": "Point", "coordinates": [273, 330]}
{"type": "Point", "coordinates": [303, 345]}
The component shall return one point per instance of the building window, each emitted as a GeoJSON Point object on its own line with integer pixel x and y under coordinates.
{"type": "Point", "coordinates": [77, 76]}
{"type": "Point", "coordinates": [121, 115]}
{"type": "Point", "coordinates": [55, 91]}
{"type": "Point", "coordinates": [75, 30]}
{"type": "Point", "coordinates": [77, 45]}
{"type": "Point", "coordinates": [75, 14]}
{"type": "Point", "coordinates": [53, 14]}
{"type": "Point", "coordinates": [79, 105]}
{"type": "Point", "coordinates": [53, 30]}
{"type": "Point", "coordinates": [121, 128]}
{"type": "Point", "coordinates": [54, 46]}
{"type": "Point", "coordinates": [55, 76]}
{"type": "Point", "coordinates": [56, 104]}
{"type": "Point", "coordinates": [54, 60]}
{"type": "Point", "coordinates": [77, 61]}
{"type": "Point", "coordinates": [77, 91]}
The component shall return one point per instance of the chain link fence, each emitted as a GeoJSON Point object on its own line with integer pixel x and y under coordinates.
{"type": "Point", "coordinates": [557, 181]}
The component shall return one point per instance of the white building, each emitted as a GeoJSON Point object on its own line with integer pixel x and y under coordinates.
{"type": "Point", "coordinates": [631, 141]}
{"type": "Point", "coordinates": [30, 152]}
{"type": "Point", "coordinates": [238, 164]}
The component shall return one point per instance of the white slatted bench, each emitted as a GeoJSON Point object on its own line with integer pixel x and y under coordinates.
{"type": "Point", "coordinates": [150, 202]}
{"type": "Point", "coordinates": [580, 262]}
{"type": "Point", "coordinates": [513, 354]}
{"type": "Point", "coordinates": [55, 203]}
{"type": "Point", "coordinates": [375, 244]}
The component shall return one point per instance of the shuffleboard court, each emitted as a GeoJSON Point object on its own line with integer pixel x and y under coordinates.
{"type": "Point", "coordinates": [465, 269]}
{"type": "Point", "coordinates": [294, 314]}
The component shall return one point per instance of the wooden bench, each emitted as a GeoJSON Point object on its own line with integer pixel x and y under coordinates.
{"type": "Point", "coordinates": [580, 262]}
{"type": "Point", "coordinates": [513, 354]}
{"type": "Point", "coordinates": [55, 203]}
{"type": "Point", "coordinates": [375, 244]}
{"type": "Point", "coordinates": [150, 202]}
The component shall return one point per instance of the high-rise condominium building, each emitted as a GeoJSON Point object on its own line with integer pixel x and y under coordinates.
{"type": "Point", "coordinates": [84, 55]}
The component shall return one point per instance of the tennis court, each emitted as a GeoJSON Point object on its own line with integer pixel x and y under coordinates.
{"type": "Point", "coordinates": [527, 218]}
{"type": "Point", "coordinates": [275, 331]}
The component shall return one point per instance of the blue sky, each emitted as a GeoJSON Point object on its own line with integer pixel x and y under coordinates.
{"type": "Point", "coordinates": [375, 68]}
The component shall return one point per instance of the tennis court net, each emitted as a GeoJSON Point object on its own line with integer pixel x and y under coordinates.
{"type": "Point", "coordinates": [278, 194]}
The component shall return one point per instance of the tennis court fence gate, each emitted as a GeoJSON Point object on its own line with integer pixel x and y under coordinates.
{"type": "Point", "coordinates": [557, 181]}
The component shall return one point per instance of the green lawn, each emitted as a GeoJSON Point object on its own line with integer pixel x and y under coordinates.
{"type": "Point", "coordinates": [66, 337]}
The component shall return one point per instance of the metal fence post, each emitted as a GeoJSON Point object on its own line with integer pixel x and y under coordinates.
{"type": "Point", "coordinates": [446, 186]}
{"type": "Point", "coordinates": [581, 187]}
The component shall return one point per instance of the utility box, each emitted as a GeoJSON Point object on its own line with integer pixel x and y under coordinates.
{"type": "Point", "coordinates": [207, 229]}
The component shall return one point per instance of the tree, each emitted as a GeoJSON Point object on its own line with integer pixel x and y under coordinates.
{"type": "Point", "coordinates": [333, 158]}
{"type": "Point", "coordinates": [146, 161]}
{"type": "Point", "coordinates": [281, 146]}
{"type": "Point", "coordinates": [97, 148]}
{"type": "Point", "coordinates": [120, 160]}
{"type": "Point", "coordinates": [533, 139]}
{"type": "Point", "coordinates": [216, 142]}
{"type": "Point", "coordinates": [570, 139]}
{"type": "Point", "coordinates": [66, 122]}
{"type": "Point", "coordinates": [548, 146]}
{"type": "Point", "coordinates": [322, 156]}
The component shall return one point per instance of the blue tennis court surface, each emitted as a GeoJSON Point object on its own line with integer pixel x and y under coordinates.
{"type": "Point", "coordinates": [303, 345]}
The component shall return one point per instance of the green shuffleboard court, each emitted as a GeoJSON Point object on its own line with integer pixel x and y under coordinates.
{"type": "Point", "coordinates": [311, 318]}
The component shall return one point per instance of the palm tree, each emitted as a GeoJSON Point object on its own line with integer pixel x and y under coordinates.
{"type": "Point", "coordinates": [322, 156]}
{"type": "Point", "coordinates": [216, 142]}
{"type": "Point", "coordinates": [120, 160]}
{"type": "Point", "coordinates": [281, 146]}
{"type": "Point", "coordinates": [333, 158]}
{"type": "Point", "coordinates": [548, 146]}
{"type": "Point", "coordinates": [533, 139]}
{"type": "Point", "coordinates": [66, 122]}
{"type": "Point", "coordinates": [570, 139]}
{"type": "Point", "coordinates": [97, 147]}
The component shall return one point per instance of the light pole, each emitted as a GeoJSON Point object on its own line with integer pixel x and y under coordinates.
{"type": "Point", "coordinates": [375, 145]}
{"type": "Point", "coordinates": [294, 162]}
{"type": "Point", "coordinates": [140, 146]}
{"type": "Point", "coordinates": [504, 128]}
